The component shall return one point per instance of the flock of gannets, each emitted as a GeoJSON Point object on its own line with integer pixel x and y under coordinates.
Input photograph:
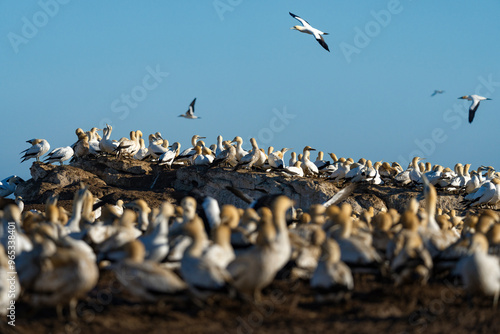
{"type": "Point", "coordinates": [159, 252]}
{"type": "Point", "coordinates": [480, 189]}
{"type": "Point", "coordinates": [318, 35]}
{"type": "Point", "coordinates": [172, 250]}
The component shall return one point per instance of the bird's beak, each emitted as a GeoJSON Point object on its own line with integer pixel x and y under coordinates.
{"type": "Point", "coordinates": [488, 98]}
{"type": "Point", "coordinates": [312, 149]}
{"type": "Point", "coordinates": [202, 137]}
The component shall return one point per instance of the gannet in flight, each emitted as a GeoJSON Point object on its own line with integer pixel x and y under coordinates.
{"type": "Point", "coordinates": [475, 104]}
{"type": "Point", "coordinates": [437, 92]}
{"type": "Point", "coordinates": [308, 29]}
{"type": "Point", "coordinates": [190, 113]}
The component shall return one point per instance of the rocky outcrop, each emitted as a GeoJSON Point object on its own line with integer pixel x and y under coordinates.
{"type": "Point", "coordinates": [131, 179]}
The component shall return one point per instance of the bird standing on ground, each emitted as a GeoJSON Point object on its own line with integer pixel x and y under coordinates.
{"type": "Point", "coordinates": [60, 155]}
{"type": "Point", "coordinates": [475, 104]}
{"type": "Point", "coordinates": [39, 147]}
{"type": "Point", "coordinates": [190, 112]}
{"type": "Point", "coordinates": [308, 29]}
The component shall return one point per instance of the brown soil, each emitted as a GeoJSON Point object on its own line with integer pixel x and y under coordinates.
{"type": "Point", "coordinates": [376, 306]}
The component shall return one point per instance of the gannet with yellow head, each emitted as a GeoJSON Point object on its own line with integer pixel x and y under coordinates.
{"type": "Point", "coordinates": [38, 148]}
{"type": "Point", "coordinates": [308, 29]}
{"type": "Point", "coordinates": [476, 99]}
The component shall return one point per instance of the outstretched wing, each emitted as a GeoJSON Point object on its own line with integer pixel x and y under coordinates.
{"type": "Point", "coordinates": [473, 109]}
{"type": "Point", "coordinates": [304, 22]}
{"type": "Point", "coordinates": [321, 41]}
{"type": "Point", "coordinates": [190, 112]}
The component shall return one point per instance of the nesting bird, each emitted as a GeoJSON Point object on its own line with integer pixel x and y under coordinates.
{"type": "Point", "coordinates": [38, 148]}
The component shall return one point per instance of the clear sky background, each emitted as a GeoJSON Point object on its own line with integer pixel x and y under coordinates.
{"type": "Point", "coordinates": [73, 65]}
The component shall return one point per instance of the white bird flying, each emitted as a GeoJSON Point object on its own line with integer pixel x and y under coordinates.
{"type": "Point", "coordinates": [475, 104]}
{"type": "Point", "coordinates": [308, 29]}
{"type": "Point", "coordinates": [190, 112]}
{"type": "Point", "coordinates": [437, 92]}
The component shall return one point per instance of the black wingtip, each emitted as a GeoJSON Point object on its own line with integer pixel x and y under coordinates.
{"type": "Point", "coordinates": [471, 116]}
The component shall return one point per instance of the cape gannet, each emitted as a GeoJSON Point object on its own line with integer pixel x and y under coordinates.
{"type": "Point", "coordinates": [145, 279]}
{"type": "Point", "coordinates": [437, 92]}
{"type": "Point", "coordinates": [39, 147]}
{"type": "Point", "coordinates": [157, 146]}
{"type": "Point", "coordinates": [143, 152]}
{"type": "Point", "coordinates": [9, 184]}
{"type": "Point", "coordinates": [129, 147]}
{"type": "Point", "coordinates": [240, 152]}
{"type": "Point", "coordinates": [412, 261]}
{"type": "Point", "coordinates": [308, 29]}
{"type": "Point", "coordinates": [276, 159]}
{"type": "Point", "coordinates": [220, 146]}
{"type": "Point", "coordinates": [65, 274]}
{"type": "Point", "coordinates": [226, 156]}
{"type": "Point", "coordinates": [106, 144]}
{"type": "Point", "coordinates": [185, 156]}
{"type": "Point", "coordinates": [249, 160]}
{"type": "Point", "coordinates": [221, 252]}
{"type": "Point", "coordinates": [295, 170]}
{"type": "Point", "coordinates": [169, 156]}
{"type": "Point", "coordinates": [94, 139]}
{"type": "Point", "coordinates": [253, 269]}
{"type": "Point", "coordinates": [60, 155]}
{"type": "Point", "coordinates": [486, 194]}
{"type": "Point", "coordinates": [190, 112]}
{"type": "Point", "coordinates": [480, 271]}
{"type": "Point", "coordinates": [81, 148]}
{"type": "Point", "coordinates": [332, 278]}
{"type": "Point", "coordinates": [307, 165]}
{"type": "Point", "coordinates": [293, 159]}
{"type": "Point", "coordinates": [201, 273]}
{"type": "Point", "coordinates": [201, 157]}
{"type": "Point", "coordinates": [475, 104]}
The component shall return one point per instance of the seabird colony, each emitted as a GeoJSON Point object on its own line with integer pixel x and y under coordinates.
{"type": "Point", "coordinates": [201, 249]}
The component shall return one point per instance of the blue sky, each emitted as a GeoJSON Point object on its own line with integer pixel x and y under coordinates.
{"type": "Point", "coordinates": [69, 64]}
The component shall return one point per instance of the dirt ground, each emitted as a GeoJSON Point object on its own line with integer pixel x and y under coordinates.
{"type": "Point", "coordinates": [288, 306]}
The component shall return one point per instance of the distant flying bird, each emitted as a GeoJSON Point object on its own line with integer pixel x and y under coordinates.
{"type": "Point", "coordinates": [308, 29]}
{"type": "Point", "coordinates": [475, 104]}
{"type": "Point", "coordinates": [437, 92]}
{"type": "Point", "coordinates": [190, 113]}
